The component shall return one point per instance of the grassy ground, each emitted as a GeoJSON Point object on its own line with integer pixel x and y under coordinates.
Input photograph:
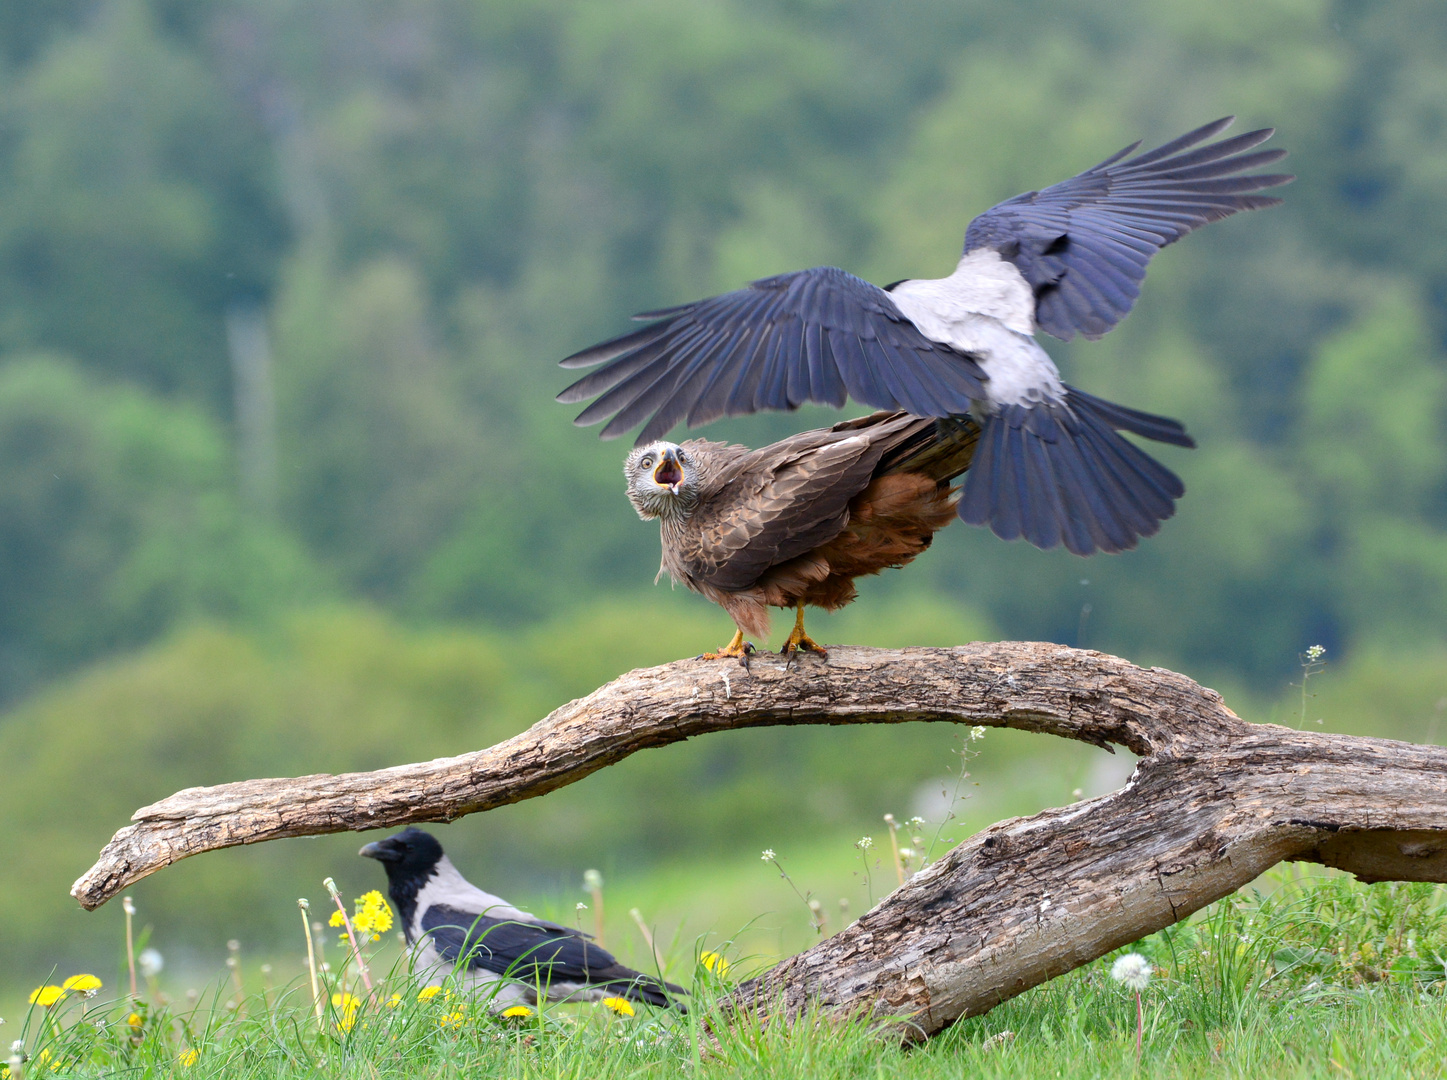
{"type": "Point", "coordinates": [1307, 977]}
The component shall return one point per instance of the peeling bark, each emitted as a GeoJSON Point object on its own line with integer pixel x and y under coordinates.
{"type": "Point", "coordinates": [1214, 802]}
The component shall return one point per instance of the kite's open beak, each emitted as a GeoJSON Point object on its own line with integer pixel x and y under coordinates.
{"type": "Point", "coordinates": [669, 472]}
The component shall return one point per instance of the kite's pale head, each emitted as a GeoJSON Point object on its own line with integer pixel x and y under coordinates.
{"type": "Point", "coordinates": [662, 480]}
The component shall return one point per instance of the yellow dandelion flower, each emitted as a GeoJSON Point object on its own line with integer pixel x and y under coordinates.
{"type": "Point", "coordinates": [621, 1006]}
{"type": "Point", "coordinates": [338, 919]}
{"type": "Point", "coordinates": [394, 1001]}
{"type": "Point", "coordinates": [712, 961]}
{"type": "Point", "coordinates": [427, 993]}
{"type": "Point", "coordinates": [46, 996]}
{"type": "Point", "coordinates": [82, 984]}
{"type": "Point", "coordinates": [135, 1021]}
{"type": "Point", "coordinates": [373, 915]}
{"type": "Point", "coordinates": [453, 1019]}
{"type": "Point", "coordinates": [347, 1005]}
{"type": "Point", "coordinates": [517, 1012]}
{"type": "Point", "coordinates": [187, 1058]}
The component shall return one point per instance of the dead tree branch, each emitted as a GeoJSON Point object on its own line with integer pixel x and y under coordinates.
{"type": "Point", "coordinates": [1215, 802]}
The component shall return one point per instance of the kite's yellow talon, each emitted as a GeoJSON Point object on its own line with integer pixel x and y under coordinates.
{"type": "Point", "coordinates": [737, 647]}
{"type": "Point", "coordinates": [798, 641]}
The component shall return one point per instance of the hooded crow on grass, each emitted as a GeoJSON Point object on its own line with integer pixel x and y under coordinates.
{"type": "Point", "coordinates": [453, 926]}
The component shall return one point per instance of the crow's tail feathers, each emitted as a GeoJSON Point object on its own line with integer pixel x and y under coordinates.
{"type": "Point", "coordinates": [644, 988]}
{"type": "Point", "coordinates": [1060, 473]}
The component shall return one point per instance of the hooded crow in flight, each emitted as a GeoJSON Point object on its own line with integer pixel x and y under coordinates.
{"type": "Point", "coordinates": [452, 925]}
{"type": "Point", "coordinates": [1051, 465]}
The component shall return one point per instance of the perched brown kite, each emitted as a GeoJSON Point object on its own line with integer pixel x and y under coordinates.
{"type": "Point", "coordinates": [796, 522]}
{"type": "Point", "coordinates": [954, 360]}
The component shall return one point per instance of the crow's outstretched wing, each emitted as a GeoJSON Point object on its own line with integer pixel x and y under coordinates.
{"type": "Point", "coordinates": [535, 953]}
{"type": "Point", "coordinates": [1083, 244]}
{"type": "Point", "coordinates": [814, 335]}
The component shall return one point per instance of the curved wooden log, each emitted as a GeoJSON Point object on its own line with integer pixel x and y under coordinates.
{"type": "Point", "coordinates": [1214, 802]}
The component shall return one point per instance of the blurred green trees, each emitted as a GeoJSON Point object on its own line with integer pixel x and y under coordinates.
{"type": "Point", "coordinates": [430, 203]}
{"type": "Point", "coordinates": [119, 516]}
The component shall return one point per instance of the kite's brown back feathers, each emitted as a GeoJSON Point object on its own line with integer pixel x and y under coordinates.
{"type": "Point", "coordinates": [830, 506]}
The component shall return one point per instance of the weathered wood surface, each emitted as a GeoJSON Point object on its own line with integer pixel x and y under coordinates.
{"type": "Point", "coordinates": [1214, 802]}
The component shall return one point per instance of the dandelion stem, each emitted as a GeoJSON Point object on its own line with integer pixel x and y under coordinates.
{"type": "Point", "coordinates": [1140, 1023]}
{"type": "Point", "coordinates": [593, 882]}
{"type": "Point", "coordinates": [894, 846]}
{"type": "Point", "coordinates": [130, 908]}
{"type": "Point", "coordinates": [351, 937]}
{"type": "Point", "coordinates": [311, 957]}
{"type": "Point", "coordinates": [233, 961]}
{"type": "Point", "coordinates": [647, 936]}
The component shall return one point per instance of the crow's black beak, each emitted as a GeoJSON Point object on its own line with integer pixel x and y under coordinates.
{"type": "Point", "coordinates": [380, 850]}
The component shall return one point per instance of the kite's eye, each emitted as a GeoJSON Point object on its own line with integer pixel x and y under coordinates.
{"type": "Point", "coordinates": [647, 462]}
{"type": "Point", "coordinates": [682, 457]}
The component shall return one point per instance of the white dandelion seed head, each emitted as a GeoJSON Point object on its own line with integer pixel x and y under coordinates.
{"type": "Point", "coordinates": [150, 963]}
{"type": "Point", "coordinates": [128, 905]}
{"type": "Point", "coordinates": [592, 881]}
{"type": "Point", "coordinates": [768, 855]}
{"type": "Point", "coordinates": [1133, 971]}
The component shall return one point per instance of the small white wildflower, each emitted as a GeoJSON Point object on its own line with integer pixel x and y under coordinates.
{"type": "Point", "coordinates": [864, 843]}
{"type": "Point", "coordinates": [768, 855]}
{"type": "Point", "coordinates": [1315, 653]}
{"type": "Point", "coordinates": [1133, 971]}
{"type": "Point", "coordinates": [150, 963]}
{"type": "Point", "coordinates": [915, 822]}
{"type": "Point", "coordinates": [977, 733]}
{"type": "Point", "coordinates": [582, 906]}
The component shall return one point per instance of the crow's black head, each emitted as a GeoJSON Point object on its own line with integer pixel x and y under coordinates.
{"type": "Point", "coordinates": [411, 853]}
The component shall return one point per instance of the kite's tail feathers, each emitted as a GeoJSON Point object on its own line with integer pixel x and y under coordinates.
{"type": "Point", "coordinates": [1060, 473]}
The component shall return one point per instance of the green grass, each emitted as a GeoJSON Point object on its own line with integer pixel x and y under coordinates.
{"type": "Point", "coordinates": [1304, 977]}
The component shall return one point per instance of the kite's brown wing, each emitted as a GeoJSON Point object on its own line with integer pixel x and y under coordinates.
{"type": "Point", "coordinates": [785, 500]}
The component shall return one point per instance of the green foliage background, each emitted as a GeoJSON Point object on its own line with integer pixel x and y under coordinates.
{"type": "Point", "coordinates": [430, 203]}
